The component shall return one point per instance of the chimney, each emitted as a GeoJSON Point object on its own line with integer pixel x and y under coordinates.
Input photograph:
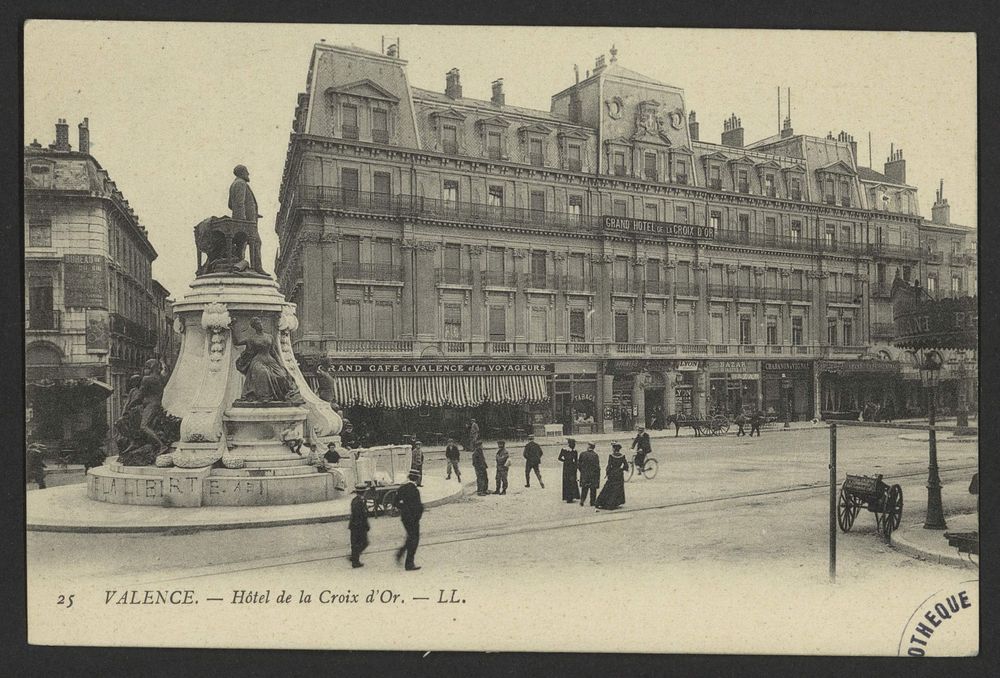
{"type": "Point", "coordinates": [895, 166]}
{"type": "Point", "coordinates": [453, 86]}
{"type": "Point", "coordinates": [848, 139]}
{"type": "Point", "coordinates": [575, 106]}
{"type": "Point", "coordinates": [786, 129]}
{"type": "Point", "coordinates": [693, 126]}
{"type": "Point", "coordinates": [599, 64]}
{"type": "Point", "coordinates": [497, 99]}
{"type": "Point", "coordinates": [84, 129]}
{"type": "Point", "coordinates": [941, 211]}
{"type": "Point", "coordinates": [35, 144]}
{"type": "Point", "coordinates": [62, 136]}
{"type": "Point", "coordinates": [732, 132]}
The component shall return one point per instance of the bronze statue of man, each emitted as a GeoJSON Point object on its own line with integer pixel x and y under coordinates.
{"type": "Point", "coordinates": [244, 206]}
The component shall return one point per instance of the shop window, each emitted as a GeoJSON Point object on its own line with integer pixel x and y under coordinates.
{"type": "Point", "coordinates": [494, 196]}
{"type": "Point", "coordinates": [453, 322]}
{"type": "Point", "coordinates": [831, 331]}
{"type": "Point", "coordinates": [577, 324]}
{"type": "Point", "coordinates": [350, 320]}
{"type": "Point", "coordinates": [621, 327]}
{"type": "Point", "coordinates": [385, 329]}
{"type": "Point", "coordinates": [745, 334]}
{"type": "Point", "coordinates": [653, 327]}
{"type": "Point", "coordinates": [498, 323]}
{"type": "Point", "coordinates": [848, 332]}
{"type": "Point", "coordinates": [772, 330]}
{"type": "Point", "coordinates": [349, 128]}
{"type": "Point", "coordinates": [797, 337]}
{"type": "Point", "coordinates": [40, 233]}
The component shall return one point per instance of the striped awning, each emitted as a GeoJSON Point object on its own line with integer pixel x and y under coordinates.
{"type": "Point", "coordinates": [436, 391]}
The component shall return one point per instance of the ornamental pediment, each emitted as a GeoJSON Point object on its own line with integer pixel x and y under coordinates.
{"type": "Point", "coordinates": [535, 128]}
{"type": "Point", "coordinates": [494, 121]}
{"type": "Point", "coordinates": [839, 167]}
{"type": "Point", "coordinates": [794, 168]}
{"type": "Point", "coordinates": [742, 160]}
{"type": "Point", "coordinates": [572, 134]}
{"type": "Point", "coordinates": [715, 155]}
{"type": "Point", "coordinates": [365, 89]}
{"type": "Point", "coordinates": [768, 164]}
{"type": "Point", "coordinates": [448, 114]}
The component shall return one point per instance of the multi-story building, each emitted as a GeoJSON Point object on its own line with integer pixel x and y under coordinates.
{"type": "Point", "coordinates": [91, 302]}
{"type": "Point", "coordinates": [167, 347]}
{"type": "Point", "coordinates": [596, 265]}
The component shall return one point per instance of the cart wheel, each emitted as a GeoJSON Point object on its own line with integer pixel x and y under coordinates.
{"type": "Point", "coordinates": [652, 466]}
{"type": "Point", "coordinates": [631, 471]}
{"type": "Point", "coordinates": [389, 504]}
{"type": "Point", "coordinates": [893, 510]}
{"type": "Point", "coordinates": [371, 503]}
{"type": "Point", "coordinates": [847, 511]}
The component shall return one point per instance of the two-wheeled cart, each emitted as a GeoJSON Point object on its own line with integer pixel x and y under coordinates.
{"type": "Point", "coordinates": [869, 492]}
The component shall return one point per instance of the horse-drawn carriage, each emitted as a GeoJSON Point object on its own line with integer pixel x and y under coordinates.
{"type": "Point", "coordinates": [868, 492]}
{"type": "Point", "coordinates": [714, 425]}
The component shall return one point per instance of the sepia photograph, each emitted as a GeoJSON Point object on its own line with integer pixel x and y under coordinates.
{"type": "Point", "coordinates": [501, 338]}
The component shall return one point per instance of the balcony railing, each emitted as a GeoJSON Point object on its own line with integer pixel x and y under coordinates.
{"type": "Point", "coordinates": [349, 131]}
{"type": "Point", "coordinates": [650, 174]}
{"type": "Point", "coordinates": [686, 289]}
{"type": "Point", "coordinates": [454, 276]}
{"type": "Point", "coordinates": [656, 287]}
{"type": "Point", "coordinates": [798, 295]}
{"type": "Point", "coordinates": [119, 324]}
{"type": "Point", "coordinates": [681, 179]}
{"type": "Point", "coordinates": [43, 319]}
{"type": "Point", "coordinates": [371, 272]}
{"type": "Point", "coordinates": [370, 346]}
{"type": "Point", "coordinates": [715, 184]}
{"type": "Point", "coordinates": [934, 257]}
{"type": "Point", "coordinates": [540, 281]}
{"type": "Point", "coordinates": [624, 285]}
{"type": "Point", "coordinates": [574, 165]}
{"type": "Point", "coordinates": [897, 251]}
{"type": "Point", "coordinates": [500, 346]}
{"type": "Point", "coordinates": [537, 159]}
{"type": "Point", "coordinates": [841, 297]}
{"type": "Point", "coordinates": [771, 293]}
{"type": "Point", "coordinates": [577, 284]}
{"type": "Point", "coordinates": [717, 290]}
{"type": "Point", "coordinates": [627, 348]}
{"type": "Point", "coordinates": [881, 290]}
{"type": "Point", "coordinates": [499, 278]}
{"type": "Point", "coordinates": [883, 330]}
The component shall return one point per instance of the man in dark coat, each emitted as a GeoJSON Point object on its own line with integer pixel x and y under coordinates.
{"type": "Point", "coordinates": [755, 421]}
{"type": "Point", "coordinates": [479, 464]}
{"type": "Point", "coordinates": [244, 206]}
{"type": "Point", "coordinates": [36, 465]}
{"type": "Point", "coordinates": [451, 454]}
{"type": "Point", "coordinates": [410, 511]}
{"type": "Point", "coordinates": [642, 446]}
{"type": "Point", "coordinates": [532, 459]}
{"type": "Point", "coordinates": [358, 525]}
{"type": "Point", "coordinates": [473, 434]}
{"type": "Point", "coordinates": [590, 473]}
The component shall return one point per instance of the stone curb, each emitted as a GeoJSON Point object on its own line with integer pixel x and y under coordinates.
{"type": "Point", "coordinates": [903, 545]}
{"type": "Point", "coordinates": [923, 438]}
{"type": "Point", "coordinates": [187, 528]}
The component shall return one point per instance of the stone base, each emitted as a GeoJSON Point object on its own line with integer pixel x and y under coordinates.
{"type": "Point", "coordinates": [179, 487]}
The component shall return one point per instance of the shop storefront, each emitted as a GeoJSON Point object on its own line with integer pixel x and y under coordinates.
{"type": "Point", "coordinates": [574, 404]}
{"type": "Point", "coordinates": [434, 401]}
{"type": "Point", "coordinates": [788, 386]}
{"type": "Point", "coordinates": [66, 407]}
{"type": "Point", "coordinates": [684, 387]}
{"type": "Point", "coordinates": [848, 387]}
{"type": "Point", "coordinates": [733, 387]}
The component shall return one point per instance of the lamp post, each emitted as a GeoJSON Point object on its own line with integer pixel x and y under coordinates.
{"type": "Point", "coordinates": [963, 407]}
{"type": "Point", "coordinates": [785, 387]}
{"type": "Point", "coordinates": [930, 371]}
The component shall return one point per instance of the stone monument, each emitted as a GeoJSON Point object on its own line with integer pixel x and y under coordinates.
{"type": "Point", "coordinates": [234, 422]}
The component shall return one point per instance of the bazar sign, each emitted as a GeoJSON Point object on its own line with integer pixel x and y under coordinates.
{"type": "Point", "coordinates": [440, 368]}
{"type": "Point", "coordinates": [657, 227]}
{"type": "Point", "coordinates": [733, 366]}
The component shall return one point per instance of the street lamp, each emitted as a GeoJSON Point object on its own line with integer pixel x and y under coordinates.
{"type": "Point", "coordinates": [930, 370]}
{"type": "Point", "coordinates": [963, 407]}
{"type": "Point", "coordinates": [785, 387]}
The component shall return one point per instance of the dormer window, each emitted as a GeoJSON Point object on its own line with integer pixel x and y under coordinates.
{"type": "Point", "coordinates": [574, 158]}
{"type": "Point", "coordinates": [619, 163]}
{"type": "Point", "coordinates": [449, 139]}
{"type": "Point", "coordinates": [380, 126]}
{"type": "Point", "coordinates": [681, 175]}
{"type": "Point", "coordinates": [796, 189]}
{"type": "Point", "coordinates": [845, 193]}
{"type": "Point", "coordinates": [493, 140]}
{"type": "Point", "coordinates": [715, 177]}
{"type": "Point", "coordinates": [536, 155]}
{"type": "Point", "coordinates": [649, 166]}
{"type": "Point", "coordinates": [769, 188]}
{"type": "Point", "coordinates": [829, 197]}
{"type": "Point", "coordinates": [349, 126]}
{"type": "Point", "coordinates": [743, 181]}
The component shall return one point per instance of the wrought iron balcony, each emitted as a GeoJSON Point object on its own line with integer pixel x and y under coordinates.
{"type": "Point", "coordinates": [798, 295]}
{"type": "Point", "coordinates": [897, 251]}
{"type": "Point", "coordinates": [349, 131]}
{"type": "Point", "coordinates": [881, 290]}
{"type": "Point", "coordinates": [372, 272]}
{"type": "Point", "coordinates": [577, 284]}
{"type": "Point", "coordinates": [499, 278]}
{"type": "Point", "coordinates": [715, 184]}
{"type": "Point", "coordinates": [536, 159]}
{"type": "Point", "coordinates": [43, 320]}
{"type": "Point", "coordinates": [681, 179]}
{"type": "Point", "coordinates": [454, 276]}
{"type": "Point", "coordinates": [772, 293]}
{"type": "Point", "coordinates": [934, 257]}
{"type": "Point", "coordinates": [686, 289]}
{"type": "Point", "coordinates": [574, 165]}
{"type": "Point", "coordinates": [840, 297]}
{"type": "Point", "coordinates": [656, 287]}
{"type": "Point", "coordinates": [380, 136]}
{"type": "Point", "coordinates": [624, 285]}
{"type": "Point", "coordinates": [540, 281]}
{"type": "Point", "coordinates": [719, 290]}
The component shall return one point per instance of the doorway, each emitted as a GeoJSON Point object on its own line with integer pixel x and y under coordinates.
{"type": "Point", "coordinates": [654, 408]}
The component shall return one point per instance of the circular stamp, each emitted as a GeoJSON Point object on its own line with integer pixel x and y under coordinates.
{"type": "Point", "coordinates": [946, 624]}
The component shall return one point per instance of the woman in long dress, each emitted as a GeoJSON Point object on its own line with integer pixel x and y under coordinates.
{"type": "Point", "coordinates": [568, 457]}
{"type": "Point", "coordinates": [613, 493]}
{"type": "Point", "coordinates": [265, 379]}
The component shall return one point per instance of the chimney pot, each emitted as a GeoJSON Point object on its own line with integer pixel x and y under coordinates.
{"type": "Point", "coordinates": [84, 130]}
{"type": "Point", "coordinates": [62, 136]}
{"type": "Point", "coordinates": [693, 126]}
{"type": "Point", "coordinates": [453, 84]}
{"type": "Point", "coordinates": [497, 99]}
{"type": "Point", "coordinates": [732, 132]}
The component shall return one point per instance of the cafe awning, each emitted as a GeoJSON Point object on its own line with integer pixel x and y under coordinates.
{"type": "Point", "coordinates": [399, 392]}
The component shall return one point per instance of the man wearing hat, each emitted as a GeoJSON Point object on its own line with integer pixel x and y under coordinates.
{"type": "Point", "coordinates": [410, 511]}
{"type": "Point", "coordinates": [479, 464]}
{"type": "Point", "coordinates": [358, 525]}
{"type": "Point", "coordinates": [417, 462]}
{"type": "Point", "coordinates": [451, 455]}
{"type": "Point", "coordinates": [532, 458]}
{"type": "Point", "coordinates": [244, 206]}
{"type": "Point", "coordinates": [642, 446]}
{"type": "Point", "coordinates": [590, 472]}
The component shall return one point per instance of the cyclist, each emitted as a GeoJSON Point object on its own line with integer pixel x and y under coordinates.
{"type": "Point", "coordinates": [642, 446]}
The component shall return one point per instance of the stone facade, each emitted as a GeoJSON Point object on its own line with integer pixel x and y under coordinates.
{"type": "Point", "coordinates": [444, 229]}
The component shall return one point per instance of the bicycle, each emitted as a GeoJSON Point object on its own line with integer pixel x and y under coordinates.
{"type": "Point", "coordinates": [648, 471]}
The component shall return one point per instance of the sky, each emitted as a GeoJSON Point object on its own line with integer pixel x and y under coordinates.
{"type": "Point", "coordinates": [172, 107]}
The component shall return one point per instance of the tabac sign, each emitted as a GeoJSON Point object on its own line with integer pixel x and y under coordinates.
{"type": "Point", "coordinates": [657, 227]}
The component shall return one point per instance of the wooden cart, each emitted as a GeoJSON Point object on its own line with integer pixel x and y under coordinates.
{"type": "Point", "coordinates": [870, 493]}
